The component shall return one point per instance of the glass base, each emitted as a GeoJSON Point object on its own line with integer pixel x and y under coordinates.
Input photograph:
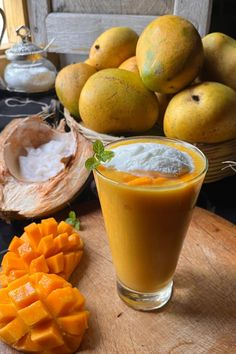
{"type": "Point", "coordinates": [145, 301]}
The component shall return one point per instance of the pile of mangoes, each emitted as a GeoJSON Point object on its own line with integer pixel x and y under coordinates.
{"type": "Point", "coordinates": [168, 75]}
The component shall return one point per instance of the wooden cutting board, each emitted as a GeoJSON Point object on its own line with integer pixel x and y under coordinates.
{"type": "Point", "coordinates": [199, 319]}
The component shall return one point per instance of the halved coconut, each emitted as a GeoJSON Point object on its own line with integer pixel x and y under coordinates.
{"type": "Point", "coordinates": [21, 197]}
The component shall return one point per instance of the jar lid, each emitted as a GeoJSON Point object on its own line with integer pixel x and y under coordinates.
{"type": "Point", "coordinates": [25, 48]}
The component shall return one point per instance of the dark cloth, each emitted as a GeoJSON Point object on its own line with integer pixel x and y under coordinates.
{"type": "Point", "coordinates": [24, 108]}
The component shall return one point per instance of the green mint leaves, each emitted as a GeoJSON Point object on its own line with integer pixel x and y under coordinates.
{"type": "Point", "coordinates": [100, 155]}
{"type": "Point", "coordinates": [73, 220]}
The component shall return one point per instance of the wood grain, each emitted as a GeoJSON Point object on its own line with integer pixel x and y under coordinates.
{"type": "Point", "coordinates": [199, 319]}
{"type": "Point", "coordinates": [16, 14]}
{"type": "Point", "coordinates": [37, 12]}
{"type": "Point", "coordinates": [131, 7]}
{"type": "Point", "coordinates": [79, 31]}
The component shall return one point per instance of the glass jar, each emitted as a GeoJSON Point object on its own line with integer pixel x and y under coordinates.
{"type": "Point", "coordinates": [29, 70]}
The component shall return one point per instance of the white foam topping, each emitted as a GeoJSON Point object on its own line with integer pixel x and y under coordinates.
{"type": "Point", "coordinates": [140, 158]}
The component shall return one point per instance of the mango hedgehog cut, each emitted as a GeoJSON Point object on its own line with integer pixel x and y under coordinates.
{"type": "Point", "coordinates": [42, 313]}
{"type": "Point", "coordinates": [48, 247]}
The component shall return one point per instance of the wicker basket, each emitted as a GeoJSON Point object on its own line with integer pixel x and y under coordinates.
{"type": "Point", "coordinates": [220, 155]}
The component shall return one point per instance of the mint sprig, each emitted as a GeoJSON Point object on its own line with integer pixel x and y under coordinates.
{"type": "Point", "coordinates": [73, 220]}
{"type": "Point", "coordinates": [100, 155]}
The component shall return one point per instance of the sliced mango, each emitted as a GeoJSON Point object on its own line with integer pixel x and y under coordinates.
{"type": "Point", "coordinates": [40, 313]}
{"type": "Point", "coordinates": [61, 300]}
{"type": "Point", "coordinates": [49, 226]}
{"type": "Point", "coordinates": [15, 243]}
{"type": "Point", "coordinates": [56, 263]}
{"type": "Point", "coordinates": [73, 324]}
{"type": "Point", "coordinates": [33, 233]}
{"type": "Point", "coordinates": [39, 264]}
{"type": "Point", "coordinates": [64, 227]}
{"type": "Point", "coordinates": [44, 247]}
{"type": "Point", "coordinates": [34, 313]}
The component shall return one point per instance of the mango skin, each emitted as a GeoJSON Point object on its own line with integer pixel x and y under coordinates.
{"type": "Point", "coordinates": [163, 100]}
{"type": "Point", "coordinates": [220, 59]}
{"type": "Point", "coordinates": [113, 47]}
{"type": "Point", "coordinates": [130, 64]}
{"type": "Point", "coordinates": [204, 113]}
{"type": "Point", "coordinates": [169, 54]}
{"type": "Point", "coordinates": [69, 83]}
{"type": "Point", "coordinates": [116, 101]}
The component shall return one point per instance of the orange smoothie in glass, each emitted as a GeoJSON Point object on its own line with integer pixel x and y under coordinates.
{"type": "Point", "coordinates": [147, 193]}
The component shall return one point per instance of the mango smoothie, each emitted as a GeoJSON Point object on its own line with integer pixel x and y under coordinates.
{"type": "Point", "coordinates": [147, 193]}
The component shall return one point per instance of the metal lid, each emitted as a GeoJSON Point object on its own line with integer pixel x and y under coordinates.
{"type": "Point", "coordinates": [24, 49]}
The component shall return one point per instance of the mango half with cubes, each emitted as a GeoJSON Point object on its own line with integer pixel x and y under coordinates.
{"type": "Point", "coordinates": [48, 247]}
{"type": "Point", "coordinates": [42, 313]}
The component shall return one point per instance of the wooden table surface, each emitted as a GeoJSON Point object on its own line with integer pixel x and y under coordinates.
{"type": "Point", "coordinates": [199, 319]}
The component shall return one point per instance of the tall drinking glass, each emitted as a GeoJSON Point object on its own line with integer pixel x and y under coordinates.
{"type": "Point", "coordinates": [146, 219]}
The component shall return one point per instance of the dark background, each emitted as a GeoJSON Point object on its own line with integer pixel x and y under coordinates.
{"type": "Point", "coordinates": [223, 17]}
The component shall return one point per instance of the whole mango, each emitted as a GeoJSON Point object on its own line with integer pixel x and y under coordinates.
{"type": "Point", "coordinates": [115, 101]}
{"type": "Point", "coordinates": [113, 47]}
{"type": "Point", "coordinates": [69, 83]}
{"type": "Point", "coordinates": [169, 54]}
{"type": "Point", "coordinates": [203, 113]}
{"type": "Point", "coordinates": [219, 59]}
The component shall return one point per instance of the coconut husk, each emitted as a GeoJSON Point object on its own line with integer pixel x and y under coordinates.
{"type": "Point", "coordinates": [20, 198]}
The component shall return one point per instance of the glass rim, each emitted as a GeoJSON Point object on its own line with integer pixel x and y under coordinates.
{"type": "Point", "coordinates": [157, 137]}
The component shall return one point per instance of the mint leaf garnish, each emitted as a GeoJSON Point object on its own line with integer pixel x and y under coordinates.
{"type": "Point", "coordinates": [106, 155]}
{"type": "Point", "coordinates": [98, 147]}
{"type": "Point", "coordinates": [72, 215]}
{"type": "Point", "coordinates": [77, 225]}
{"type": "Point", "coordinates": [69, 221]}
{"type": "Point", "coordinates": [73, 220]}
{"type": "Point", "coordinates": [91, 163]}
{"type": "Point", "coordinates": [100, 155]}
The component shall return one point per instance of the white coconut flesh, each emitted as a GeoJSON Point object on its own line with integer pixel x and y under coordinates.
{"type": "Point", "coordinates": [53, 179]}
{"type": "Point", "coordinates": [41, 163]}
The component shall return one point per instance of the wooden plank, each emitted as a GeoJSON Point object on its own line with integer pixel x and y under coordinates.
{"type": "Point", "coordinates": [197, 12]}
{"type": "Point", "coordinates": [38, 11]}
{"type": "Point", "coordinates": [75, 33]}
{"type": "Point", "coordinates": [128, 7]}
{"type": "Point", "coordinates": [16, 14]}
{"type": "Point", "coordinates": [200, 317]}
{"type": "Point", "coordinates": [3, 63]}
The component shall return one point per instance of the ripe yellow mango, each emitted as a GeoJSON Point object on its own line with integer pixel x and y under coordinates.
{"type": "Point", "coordinates": [113, 47]}
{"type": "Point", "coordinates": [69, 83]}
{"type": "Point", "coordinates": [220, 59]}
{"type": "Point", "coordinates": [115, 101]}
{"type": "Point", "coordinates": [203, 113]}
{"type": "Point", "coordinates": [169, 54]}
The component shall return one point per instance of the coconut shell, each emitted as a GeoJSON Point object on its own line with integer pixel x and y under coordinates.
{"type": "Point", "coordinates": [25, 199]}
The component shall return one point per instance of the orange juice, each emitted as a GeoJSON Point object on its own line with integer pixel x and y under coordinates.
{"type": "Point", "coordinates": [147, 214]}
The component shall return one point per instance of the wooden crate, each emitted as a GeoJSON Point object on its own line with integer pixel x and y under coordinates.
{"type": "Point", "coordinates": [75, 24]}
